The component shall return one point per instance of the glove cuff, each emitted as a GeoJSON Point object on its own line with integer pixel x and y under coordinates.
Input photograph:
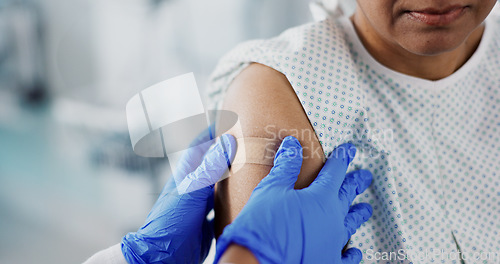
{"type": "Point", "coordinates": [128, 250]}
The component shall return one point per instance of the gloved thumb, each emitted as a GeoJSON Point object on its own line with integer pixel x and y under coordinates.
{"type": "Point", "coordinates": [352, 256]}
{"type": "Point", "coordinates": [287, 164]}
{"type": "Point", "coordinates": [333, 173]}
{"type": "Point", "coordinates": [212, 168]}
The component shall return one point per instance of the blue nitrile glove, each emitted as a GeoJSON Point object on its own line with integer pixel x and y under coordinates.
{"type": "Point", "coordinates": [282, 225]}
{"type": "Point", "coordinates": [177, 230]}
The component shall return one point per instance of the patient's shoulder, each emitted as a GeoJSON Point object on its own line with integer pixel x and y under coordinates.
{"type": "Point", "coordinates": [268, 107]}
{"type": "Point", "coordinates": [264, 99]}
{"type": "Point", "coordinates": [296, 51]}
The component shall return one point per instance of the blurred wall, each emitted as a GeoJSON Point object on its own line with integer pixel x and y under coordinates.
{"type": "Point", "coordinates": [70, 184]}
{"type": "Point", "coordinates": [106, 51]}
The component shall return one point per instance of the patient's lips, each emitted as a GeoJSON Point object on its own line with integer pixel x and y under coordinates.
{"type": "Point", "coordinates": [438, 17]}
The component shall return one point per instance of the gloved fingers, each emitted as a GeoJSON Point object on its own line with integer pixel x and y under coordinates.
{"type": "Point", "coordinates": [287, 164]}
{"type": "Point", "coordinates": [333, 172]}
{"type": "Point", "coordinates": [358, 214]}
{"type": "Point", "coordinates": [206, 135]}
{"type": "Point", "coordinates": [207, 237]}
{"type": "Point", "coordinates": [212, 168]}
{"type": "Point", "coordinates": [352, 256]}
{"type": "Point", "coordinates": [355, 182]}
{"type": "Point", "coordinates": [193, 156]}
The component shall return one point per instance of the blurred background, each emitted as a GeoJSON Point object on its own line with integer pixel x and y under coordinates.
{"type": "Point", "coordinates": [70, 184]}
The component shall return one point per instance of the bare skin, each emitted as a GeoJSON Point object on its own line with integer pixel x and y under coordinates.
{"type": "Point", "coordinates": [263, 97]}
{"type": "Point", "coordinates": [412, 47]}
{"type": "Point", "coordinates": [268, 95]}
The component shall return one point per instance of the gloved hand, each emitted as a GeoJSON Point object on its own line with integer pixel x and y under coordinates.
{"type": "Point", "coordinates": [282, 225]}
{"type": "Point", "coordinates": [177, 230]}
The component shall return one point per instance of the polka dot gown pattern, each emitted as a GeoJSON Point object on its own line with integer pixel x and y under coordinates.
{"type": "Point", "coordinates": [432, 146]}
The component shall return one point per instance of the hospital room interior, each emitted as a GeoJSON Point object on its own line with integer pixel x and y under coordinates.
{"type": "Point", "coordinates": [70, 182]}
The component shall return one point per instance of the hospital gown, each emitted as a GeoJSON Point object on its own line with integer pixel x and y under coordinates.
{"type": "Point", "coordinates": [432, 146]}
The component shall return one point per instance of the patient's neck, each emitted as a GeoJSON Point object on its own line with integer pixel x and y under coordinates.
{"type": "Point", "coordinates": [433, 67]}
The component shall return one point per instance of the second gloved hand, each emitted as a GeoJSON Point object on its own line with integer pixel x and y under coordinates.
{"type": "Point", "coordinates": [282, 225]}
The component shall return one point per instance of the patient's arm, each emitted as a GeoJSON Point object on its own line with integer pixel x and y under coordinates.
{"type": "Point", "coordinates": [267, 106]}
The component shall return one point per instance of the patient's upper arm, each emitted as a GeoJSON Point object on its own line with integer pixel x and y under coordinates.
{"type": "Point", "coordinates": [267, 107]}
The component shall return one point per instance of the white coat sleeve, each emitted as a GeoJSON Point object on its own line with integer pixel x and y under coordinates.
{"type": "Point", "coordinates": [111, 255]}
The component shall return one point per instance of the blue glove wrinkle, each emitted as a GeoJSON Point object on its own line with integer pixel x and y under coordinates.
{"type": "Point", "coordinates": [287, 164]}
{"type": "Point", "coordinates": [365, 178]}
{"type": "Point", "coordinates": [290, 148]}
{"type": "Point", "coordinates": [212, 167]}
{"type": "Point", "coordinates": [229, 144]}
{"type": "Point", "coordinates": [348, 191]}
{"type": "Point", "coordinates": [358, 214]}
{"type": "Point", "coordinates": [129, 248]}
{"type": "Point", "coordinates": [355, 183]}
{"type": "Point", "coordinates": [192, 158]}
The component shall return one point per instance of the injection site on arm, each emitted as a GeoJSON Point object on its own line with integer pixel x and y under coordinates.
{"type": "Point", "coordinates": [267, 107]}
